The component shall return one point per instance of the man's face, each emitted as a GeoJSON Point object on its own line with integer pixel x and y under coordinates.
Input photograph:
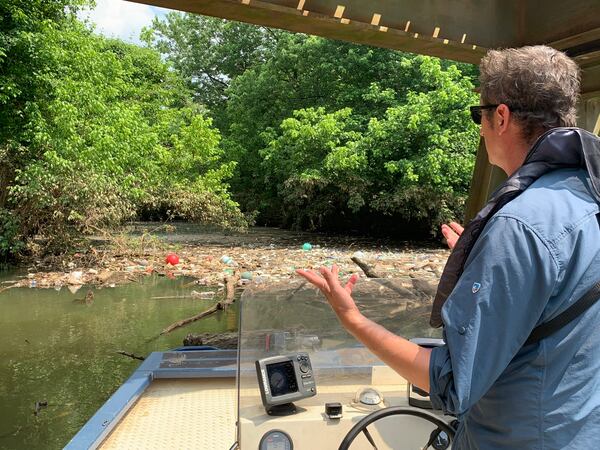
{"type": "Point", "coordinates": [487, 132]}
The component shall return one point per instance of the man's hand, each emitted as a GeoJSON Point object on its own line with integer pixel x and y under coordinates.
{"type": "Point", "coordinates": [406, 358]}
{"type": "Point", "coordinates": [339, 297]}
{"type": "Point", "coordinates": [452, 232]}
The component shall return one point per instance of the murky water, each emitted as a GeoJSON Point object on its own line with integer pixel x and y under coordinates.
{"type": "Point", "coordinates": [56, 349]}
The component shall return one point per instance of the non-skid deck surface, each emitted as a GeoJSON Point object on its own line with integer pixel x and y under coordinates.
{"type": "Point", "coordinates": [179, 414]}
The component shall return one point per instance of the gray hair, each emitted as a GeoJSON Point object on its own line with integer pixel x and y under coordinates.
{"type": "Point", "coordinates": [539, 84]}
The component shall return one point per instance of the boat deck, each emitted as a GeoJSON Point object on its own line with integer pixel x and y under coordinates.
{"type": "Point", "coordinates": [179, 414]}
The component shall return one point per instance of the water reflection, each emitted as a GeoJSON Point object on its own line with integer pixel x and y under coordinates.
{"type": "Point", "coordinates": [63, 352]}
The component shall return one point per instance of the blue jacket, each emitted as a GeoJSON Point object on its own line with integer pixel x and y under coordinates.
{"type": "Point", "coordinates": [538, 255]}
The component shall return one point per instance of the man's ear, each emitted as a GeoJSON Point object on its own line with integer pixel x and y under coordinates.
{"type": "Point", "coordinates": [502, 118]}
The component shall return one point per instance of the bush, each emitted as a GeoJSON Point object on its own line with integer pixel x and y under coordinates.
{"type": "Point", "coordinates": [98, 131]}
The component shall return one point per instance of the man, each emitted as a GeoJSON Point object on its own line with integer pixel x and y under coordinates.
{"type": "Point", "coordinates": [530, 254]}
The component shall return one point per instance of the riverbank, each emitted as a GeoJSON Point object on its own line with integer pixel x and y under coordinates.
{"type": "Point", "coordinates": [260, 255]}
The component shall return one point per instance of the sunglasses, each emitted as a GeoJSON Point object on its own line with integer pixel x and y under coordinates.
{"type": "Point", "coordinates": [476, 112]}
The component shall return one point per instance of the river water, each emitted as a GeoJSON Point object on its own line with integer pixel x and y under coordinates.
{"type": "Point", "coordinates": [55, 348]}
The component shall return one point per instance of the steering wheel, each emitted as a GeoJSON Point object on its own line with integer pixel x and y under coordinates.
{"type": "Point", "coordinates": [362, 425]}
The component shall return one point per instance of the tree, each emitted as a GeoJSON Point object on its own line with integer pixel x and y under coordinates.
{"type": "Point", "coordinates": [410, 113]}
{"type": "Point", "coordinates": [314, 168]}
{"type": "Point", "coordinates": [210, 52]}
{"type": "Point", "coordinates": [413, 165]}
{"type": "Point", "coordinates": [100, 132]}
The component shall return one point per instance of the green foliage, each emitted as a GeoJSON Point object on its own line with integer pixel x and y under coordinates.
{"type": "Point", "coordinates": [210, 52]}
{"type": "Point", "coordinates": [325, 131]}
{"type": "Point", "coordinates": [421, 153]}
{"type": "Point", "coordinates": [96, 132]}
{"type": "Point", "coordinates": [414, 163]}
{"type": "Point", "coordinates": [410, 152]}
{"type": "Point", "coordinates": [314, 166]}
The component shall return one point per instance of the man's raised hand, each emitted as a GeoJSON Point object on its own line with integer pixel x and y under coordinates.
{"type": "Point", "coordinates": [452, 232]}
{"type": "Point", "coordinates": [338, 296]}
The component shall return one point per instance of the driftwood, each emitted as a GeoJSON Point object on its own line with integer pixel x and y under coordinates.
{"type": "Point", "coordinates": [368, 270]}
{"type": "Point", "coordinates": [222, 305]}
{"type": "Point", "coordinates": [6, 288]}
{"type": "Point", "coordinates": [87, 300]}
{"type": "Point", "coordinates": [130, 355]}
{"type": "Point", "coordinates": [220, 340]}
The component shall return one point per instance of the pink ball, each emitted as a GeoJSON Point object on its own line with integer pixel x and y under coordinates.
{"type": "Point", "coordinates": [172, 259]}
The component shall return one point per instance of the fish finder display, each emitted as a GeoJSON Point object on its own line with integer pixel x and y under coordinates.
{"type": "Point", "coordinates": [282, 379]}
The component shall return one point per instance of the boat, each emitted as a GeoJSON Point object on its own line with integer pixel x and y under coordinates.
{"type": "Point", "coordinates": [297, 380]}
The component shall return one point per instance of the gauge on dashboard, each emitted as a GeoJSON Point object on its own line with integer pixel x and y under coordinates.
{"type": "Point", "coordinates": [276, 440]}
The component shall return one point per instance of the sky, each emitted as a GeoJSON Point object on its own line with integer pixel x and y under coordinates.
{"type": "Point", "coordinates": [122, 19]}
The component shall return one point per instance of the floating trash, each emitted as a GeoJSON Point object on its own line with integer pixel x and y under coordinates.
{"type": "Point", "coordinates": [74, 289]}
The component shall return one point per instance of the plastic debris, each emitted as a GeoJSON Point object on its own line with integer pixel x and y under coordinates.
{"type": "Point", "coordinates": [246, 276]}
{"type": "Point", "coordinates": [75, 278]}
{"type": "Point", "coordinates": [74, 289]}
{"type": "Point", "coordinates": [269, 255]}
{"type": "Point", "coordinates": [307, 246]}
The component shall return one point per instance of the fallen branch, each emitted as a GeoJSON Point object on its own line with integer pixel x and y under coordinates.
{"type": "Point", "coordinates": [219, 340]}
{"type": "Point", "coordinates": [222, 305]}
{"type": "Point", "coordinates": [196, 295]}
{"type": "Point", "coordinates": [369, 272]}
{"type": "Point", "coordinates": [6, 288]}
{"type": "Point", "coordinates": [130, 355]}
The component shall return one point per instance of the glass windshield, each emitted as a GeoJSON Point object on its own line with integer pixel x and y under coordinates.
{"type": "Point", "coordinates": [294, 317]}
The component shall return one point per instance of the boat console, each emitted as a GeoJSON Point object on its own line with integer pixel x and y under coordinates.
{"type": "Point", "coordinates": [305, 383]}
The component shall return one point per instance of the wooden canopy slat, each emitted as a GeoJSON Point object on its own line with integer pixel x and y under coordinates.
{"type": "Point", "coordinates": [460, 30]}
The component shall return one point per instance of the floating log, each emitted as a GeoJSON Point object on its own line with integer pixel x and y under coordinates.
{"type": "Point", "coordinates": [220, 340]}
{"type": "Point", "coordinates": [222, 305]}
{"type": "Point", "coordinates": [369, 272]}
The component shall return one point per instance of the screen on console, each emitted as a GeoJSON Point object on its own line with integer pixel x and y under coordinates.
{"type": "Point", "coordinates": [282, 379]}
